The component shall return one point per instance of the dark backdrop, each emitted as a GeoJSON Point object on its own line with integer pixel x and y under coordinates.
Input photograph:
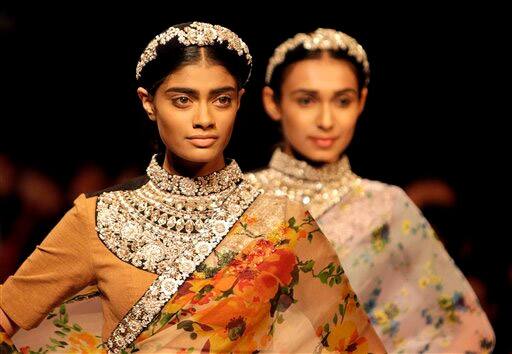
{"type": "Point", "coordinates": [435, 109]}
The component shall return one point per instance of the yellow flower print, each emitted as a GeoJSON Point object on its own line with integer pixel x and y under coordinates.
{"type": "Point", "coordinates": [380, 238]}
{"type": "Point", "coordinates": [274, 236]}
{"type": "Point", "coordinates": [345, 338]}
{"type": "Point", "coordinates": [378, 245]}
{"type": "Point", "coordinates": [431, 279]}
{"type": "Point", "coordinates": [381, 317]}
{"type": "Point", "coordinates": [445, 342]}
{"type": "Point", "coordinates": [406, 226]}
{"type": "Point", "coordinates": [84, 343]}
{"type": "Point", "coordinates": [435, 280]}
{"type": "Point", "coordinates": [359, 190]}
{"type": "Point", "coordinates": [445, 302]}
{"type": "Point", "coordinates": [199, 275]}
{"type": "Point", "coordinates": [391, 310]}
{"type": "Point", "coordinates": [423, 282]}
{"type": "Point", "coordinates": [198, 284]}
{"type": "Point", "coordinates": [398, 342]}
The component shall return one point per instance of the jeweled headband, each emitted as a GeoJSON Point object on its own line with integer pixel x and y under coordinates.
{"type": "Point", "coordinates": [322, 38]}
{"type": "Point", "coordinates": [196, 33]}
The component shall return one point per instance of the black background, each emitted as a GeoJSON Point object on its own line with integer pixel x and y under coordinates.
{"type": "Point", "coordinates": [437, 105]}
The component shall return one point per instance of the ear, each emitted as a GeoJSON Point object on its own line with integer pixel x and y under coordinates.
{"type": "Point", "coordinates": [270, 105]}
{"type": "Point", "coordinates": [362, 99]}
{"type": "Point", "coordinates": [240, 94]}
{"type": "Point", "coordinates": [147, 102]}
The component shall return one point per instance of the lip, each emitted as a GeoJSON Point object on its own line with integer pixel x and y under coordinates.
{"type": "Point", "coordinates": [323, 142]}
{"type": "Point", "coordinates": [203, 141]}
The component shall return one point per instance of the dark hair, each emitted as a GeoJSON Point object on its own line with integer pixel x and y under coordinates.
{"type": "Point", "coordinates": [174, 55]}
{"type": "Point", "coordinates": [300, 53]}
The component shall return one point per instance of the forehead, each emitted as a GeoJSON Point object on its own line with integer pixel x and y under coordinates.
{"type": "Point", "coordinates": [202, 75]}
{"type": "Point", "coordinates": [322, 73]}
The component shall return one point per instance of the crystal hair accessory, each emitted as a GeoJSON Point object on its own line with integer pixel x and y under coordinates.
{"type": "Point", "coordinates": [322, 38]}
{"type": "Point", "coordinates": [197, 33]}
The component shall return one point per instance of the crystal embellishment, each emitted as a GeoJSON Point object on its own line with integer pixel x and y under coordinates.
{"type": "Point", "coordinates": [317, 188]}
{"type": "Point", "coordinates": [197, 33]}
{"type": "Point", "coordinates": [322, 38]}
{"type": "Point", "coordinates": [148, 229]}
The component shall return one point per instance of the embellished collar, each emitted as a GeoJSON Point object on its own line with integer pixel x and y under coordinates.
{"type": "Point", "coordinates": [168, 226]}
{"type": "Point", "coordinates": [292, 167]}
{"type": "Point", "coordinates": [216, 182]}
{"type": "Point", "coordinates": [317, 188]}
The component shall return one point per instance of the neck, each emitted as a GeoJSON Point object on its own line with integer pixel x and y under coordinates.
{"type": "Point", "coordinates": [177, 166]}
{"type": "Point", "coordinates": [290, 151]}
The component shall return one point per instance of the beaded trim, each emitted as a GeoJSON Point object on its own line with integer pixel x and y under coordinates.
{"type": "Point", "coordinates": [154, 230]}
{"type": "Point", "coordinates": [317, 188]}
{"type": "Point", "coordinates": [199, 186]}
{"type": "Point", "coordinates": [197, 33]}
{"type": "Point", "coordinates": [322, 38]}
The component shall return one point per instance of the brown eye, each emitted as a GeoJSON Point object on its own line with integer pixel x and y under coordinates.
{"type": "Point", "coordinates": [305, 101]}
{"type": "Point", "coordinates": [223, 101]}
{"type": "Point", "coordinates": [344, 101]}
{"type": "Point", "coordinates": [182, 101]}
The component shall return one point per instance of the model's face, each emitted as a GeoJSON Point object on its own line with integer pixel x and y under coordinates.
{"type": "Point", "coordinates": [319, 107]}
{"type": "Point", "coordinates": [195, 109]}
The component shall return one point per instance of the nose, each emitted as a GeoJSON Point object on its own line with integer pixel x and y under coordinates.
{"type": "Point", "coordinates": [325, 119]}
{"type": "Point", "coordinates": [203, 119]}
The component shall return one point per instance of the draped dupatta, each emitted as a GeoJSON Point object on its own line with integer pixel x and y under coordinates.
{"type": "Point", "coordinates": [236, 273]}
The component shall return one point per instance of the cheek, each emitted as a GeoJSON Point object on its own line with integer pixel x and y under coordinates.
{"type": "Point", "coordinates": [225, 121]}
{"type": "Point", "coordinates": [347, 119]}
{"type": "Point", "coordinates": [172, 128]}
{"type": "Point", "coordinates": [295, 132]}
{"type": "Point", "coordinates": [347, 125]}
{"type": "Point", "coordinates": [297, 122]}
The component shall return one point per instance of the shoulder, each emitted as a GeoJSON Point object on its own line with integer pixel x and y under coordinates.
{"type": "Point", "coordinates": [269, 203]}
{"type": "Point", "coordinates": [278, 202]}
{"type": "Point", "coordinates": [376, 198]}
{"type": "Point", "coordinates": [286, 208]}
{"type": "Point", "coordinates": [377, 189]}
{"type": "Point", "coordinates": [272, 209]}
{"type": "Point", "coordinates": [259, 178]}
{"type": "Point", "coordinates": [84, 206]}
{"type": "Point", "coordinates": [131, 184]}
{"type": "Point", "coordinates": [387, 197]}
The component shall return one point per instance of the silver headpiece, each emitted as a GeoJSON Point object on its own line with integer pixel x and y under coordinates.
{"type": "Point", "coordinates": [322, 38]}
{"type": "Point", "coordinates": [197, 33]}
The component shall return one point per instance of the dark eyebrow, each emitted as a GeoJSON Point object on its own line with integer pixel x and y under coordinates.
{"type": "Point", "coordinates": [314, 93]}
{"type": "Point", "coordinates": [195, 93]}
{"type": "Point", "coordinates": [185, 90]}
{"type": "Point", "coordinates": [348, 90]}
{"type": "Point", "coordinates": [309, 92]}
{"type": "Point", "coordinates": [220, 90]}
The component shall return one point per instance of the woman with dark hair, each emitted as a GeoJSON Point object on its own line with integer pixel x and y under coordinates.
{"type": "Point", "coordinates": [189, 258]}
{"type": "Point", "coordinates": [417, 299]}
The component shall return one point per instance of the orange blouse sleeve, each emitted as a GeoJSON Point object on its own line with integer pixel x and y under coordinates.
{"type": "Point", "coordinates": [58, 268]}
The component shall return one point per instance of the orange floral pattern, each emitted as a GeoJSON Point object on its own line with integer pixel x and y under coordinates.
{"type": "Point", "coordinates": [241, 305]}
{"type": "Point", "coordinates": [271, 277]}
{"type": "Point", "coordinates": [66, 338]}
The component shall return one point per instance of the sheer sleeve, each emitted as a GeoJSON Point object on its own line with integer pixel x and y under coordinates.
{"type": "Point", "coordinates": [323, 292]}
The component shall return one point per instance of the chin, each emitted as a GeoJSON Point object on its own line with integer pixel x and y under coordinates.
{"type": "Point", "coordinates": [325, 157]}
{"type": "Point", "coordinates": [201, 155]}
{"type": "Point", "coordinates": [320, 155]}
